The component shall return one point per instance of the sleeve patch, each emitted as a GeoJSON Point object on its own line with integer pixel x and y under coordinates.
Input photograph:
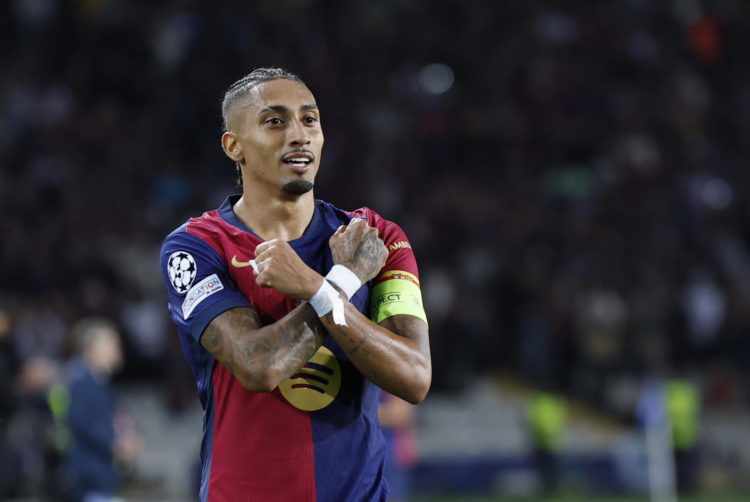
{"type": "Point", "coordinates": [200, 292]}
{"type": "Point", "coordinates": [393, 297]}
{"type": "Point", "coordinates": [398, 274]}
{"type": "Point", "coordinates": [182, 270]}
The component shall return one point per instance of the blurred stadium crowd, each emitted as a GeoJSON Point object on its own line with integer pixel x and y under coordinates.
{"type": "Point", "coordinates": [573, 176]}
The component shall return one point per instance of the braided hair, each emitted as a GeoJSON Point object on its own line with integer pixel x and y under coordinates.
{"type": "Point", "coordinates": [239, 90]}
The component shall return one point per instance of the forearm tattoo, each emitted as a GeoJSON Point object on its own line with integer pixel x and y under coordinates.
{"type": "Point", "coordinates": [235, 339]}
{"type": "Point", "coordinates": [359, 343]}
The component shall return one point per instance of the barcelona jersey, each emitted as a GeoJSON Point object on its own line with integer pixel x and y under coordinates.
{"type": "Point", "coordinates": [316, 436]}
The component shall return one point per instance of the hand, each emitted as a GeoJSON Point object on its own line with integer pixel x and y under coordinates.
{"type": "Point", "coordinates": [128, 442]}
{"type": "Point", "coordinates": [281, 268]}
{"type": "Point", "coordinates": [127, 447]}
{"type": "Point", "coordinates": [358, 247]}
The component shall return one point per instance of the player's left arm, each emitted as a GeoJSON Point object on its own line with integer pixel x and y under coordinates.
{"type": "Point", "coordinates": [394, 354]}
{"type": "Point", "coordinates": [393, 349]}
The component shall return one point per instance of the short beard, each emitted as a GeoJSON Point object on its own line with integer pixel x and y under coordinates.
{"type": "Point", "coordinates": [298, 187]}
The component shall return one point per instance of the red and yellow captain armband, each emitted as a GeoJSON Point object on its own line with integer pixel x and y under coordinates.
{"type": "Point", "coordinates": [396, 292]}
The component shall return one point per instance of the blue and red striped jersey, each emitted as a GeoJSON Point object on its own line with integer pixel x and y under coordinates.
{"type": "Point", "coordinates": [316, 437]}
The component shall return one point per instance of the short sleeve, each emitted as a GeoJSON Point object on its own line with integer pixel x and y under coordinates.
{"type": "Point", "coordinates": [396, 289]}
{"type": "Point", "coordinates": [198, 282]}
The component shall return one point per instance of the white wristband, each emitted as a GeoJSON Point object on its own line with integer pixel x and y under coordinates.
{"type": "Point", "coordinates": [345, 279]}
{"type": "Point", "coordinates": [327, 299]}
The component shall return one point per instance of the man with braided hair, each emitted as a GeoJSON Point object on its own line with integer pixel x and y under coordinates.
{"type": "Point", "coordinates": [291, 313]}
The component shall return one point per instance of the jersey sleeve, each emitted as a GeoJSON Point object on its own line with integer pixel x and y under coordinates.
{"type": "Point", "coordinates": [197, 281]}
{"type": "Point", "coordinates": [396, 289]}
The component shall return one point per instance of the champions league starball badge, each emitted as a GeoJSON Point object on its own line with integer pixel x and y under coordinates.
{"type": "Point", "coordinates": [182, 270]}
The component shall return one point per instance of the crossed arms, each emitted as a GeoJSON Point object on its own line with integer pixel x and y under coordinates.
{"type": "Point", "coordinates": [395, 354]}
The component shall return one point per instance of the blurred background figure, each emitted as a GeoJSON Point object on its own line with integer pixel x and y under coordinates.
{"type": "Point", "coordinates": [683, 405]}
{"type": "Point", "coordinates": [9, 465]}
{"type": "Point", "coordinates": [669, 410]}
{"type": "Point", "coordinates": [100, 435]}
{"type": "Point", "coordinates": [397, 419]}
{"type": "Point", "coordinates": [546, 421]}
{"type": "Point", "coordinates": [28, 457]}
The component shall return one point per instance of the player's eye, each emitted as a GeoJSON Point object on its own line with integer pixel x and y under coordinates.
{"type": "Point", "coordinates": [274, 121]}
{"type": "Point", "coordinates": [310, 119]}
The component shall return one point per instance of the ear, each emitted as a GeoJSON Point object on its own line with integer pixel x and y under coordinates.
{"type": "Point", "coordinates": [231, 147]}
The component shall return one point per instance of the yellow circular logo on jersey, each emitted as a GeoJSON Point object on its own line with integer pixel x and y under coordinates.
{"type": "Point", "coordinates": [316, 384]}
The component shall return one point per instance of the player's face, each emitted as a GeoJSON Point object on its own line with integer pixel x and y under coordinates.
{"type": "Point", "coordinates": [278, 136]}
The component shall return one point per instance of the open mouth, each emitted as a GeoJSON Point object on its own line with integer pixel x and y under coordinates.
{"type": "Point", "coordinates": [299, 161]}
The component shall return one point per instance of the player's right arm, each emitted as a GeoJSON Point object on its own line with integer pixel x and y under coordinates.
{"type": "Point", "coordinates": [262, 357]}
{"type": "Point", "coordinates": [206, 304]}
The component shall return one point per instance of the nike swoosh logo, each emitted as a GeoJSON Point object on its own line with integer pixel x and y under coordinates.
{"type": "Point", "coordinates": [242, 264]}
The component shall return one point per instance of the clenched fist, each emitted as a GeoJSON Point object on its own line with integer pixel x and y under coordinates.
{"type": "Point", "coordinates": [281, 268]}
{"type": "Point", "coordinates": [358, 247]}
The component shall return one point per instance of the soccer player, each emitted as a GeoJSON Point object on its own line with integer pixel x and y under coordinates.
{"type": "Point", "coordinates": [291, 313]}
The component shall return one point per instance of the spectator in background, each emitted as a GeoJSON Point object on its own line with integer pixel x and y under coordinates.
{"type": "Point", "coordinates": [397, 418]}
{"type": "Point", "coordinates": [9, 365]}
{"type": "Point", "coordinates": [100, 435]}
{"type": "Point", "coordinates": [704, 308]}
{"type": "Point", "coordinates": [31, 426]}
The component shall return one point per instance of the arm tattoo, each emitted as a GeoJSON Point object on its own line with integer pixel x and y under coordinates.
{"type": "Point", "coordinates": [361, 344]}
{"type": "Point", "coordinates": [406, 326]}
{"type": "Point", "coordinates": [409, 327]}
{"type": "Point", "coordinates": [236, 339]}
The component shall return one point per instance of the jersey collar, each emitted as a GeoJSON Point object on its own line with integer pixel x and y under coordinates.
{"type": "Point", "coordinates": [227, 214]}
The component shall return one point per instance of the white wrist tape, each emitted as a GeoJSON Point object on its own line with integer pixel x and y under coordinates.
{"type": "Point", "coordinates": [345, 279]}
{"type": "Point", "coordinates": [327, 299]}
